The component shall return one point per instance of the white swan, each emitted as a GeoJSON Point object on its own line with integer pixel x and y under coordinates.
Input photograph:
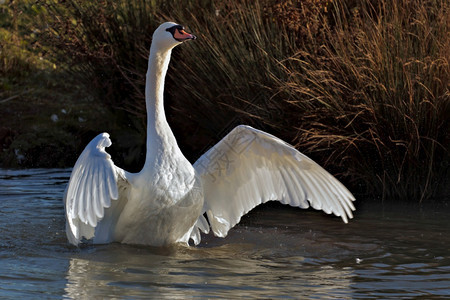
{"type": "Point", "coordinates": [166, 201]}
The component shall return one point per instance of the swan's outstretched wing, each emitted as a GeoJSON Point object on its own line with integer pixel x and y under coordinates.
{"type": "Point", "coordinates": [94, 182]}
{"type": "Point", "coordinates": [249, 167]}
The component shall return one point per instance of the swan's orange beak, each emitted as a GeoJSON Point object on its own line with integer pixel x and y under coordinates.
{"type": "Point", "coordinates": [181, 35]}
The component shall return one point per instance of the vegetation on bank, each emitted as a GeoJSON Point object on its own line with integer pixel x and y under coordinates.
{"type": "Point", "coordinates": [360, 86]}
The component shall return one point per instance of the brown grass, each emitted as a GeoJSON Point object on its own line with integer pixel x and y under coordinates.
{"type": "Point", "coordinates": [361, 86]}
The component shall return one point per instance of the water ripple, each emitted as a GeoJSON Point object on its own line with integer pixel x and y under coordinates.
{"type": "Point", "coordinates": [276, 252]}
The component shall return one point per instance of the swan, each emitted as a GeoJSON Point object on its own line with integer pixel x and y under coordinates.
{"type": "Point", "coordinates": [166, 202]}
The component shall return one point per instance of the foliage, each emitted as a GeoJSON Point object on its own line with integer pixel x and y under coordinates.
{"type": "Point", "coordinates": [45, 114]}
{"type": "Point", "coordinates": [18, 57]}
{"type": "Point", "coordinates": [378, 94]}
{"type": "Point", "coordinates": [361, 86]}
{"type": "Point", "coordinates": [363, 89]}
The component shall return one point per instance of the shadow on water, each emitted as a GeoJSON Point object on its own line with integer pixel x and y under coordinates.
{"type": "Point", "coordinates": [395, 250]}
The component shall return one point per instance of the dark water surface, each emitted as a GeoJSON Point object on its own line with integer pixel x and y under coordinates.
{"type": "Point", "coordinates": [386, 251]}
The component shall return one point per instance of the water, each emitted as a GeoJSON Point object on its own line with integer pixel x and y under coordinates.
{"type": "Point", "coordinates": [387, 251]}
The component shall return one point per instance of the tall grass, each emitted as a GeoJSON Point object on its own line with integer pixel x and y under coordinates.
{"type": "Point", "coordinates": [383, 77]}
{"type": "Point", "coordinates": [363, 87]}
{"type": "Point", "coordinates": [43, 112]}
{"type": "Point", "coordinates": [19, 56]}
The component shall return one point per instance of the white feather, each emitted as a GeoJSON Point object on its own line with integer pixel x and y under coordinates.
{"type": "Point", "coordinates": [264, 168]}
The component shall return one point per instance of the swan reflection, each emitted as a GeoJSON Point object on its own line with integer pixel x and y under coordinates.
{"type": "Point", "coordinates": [230, 270]}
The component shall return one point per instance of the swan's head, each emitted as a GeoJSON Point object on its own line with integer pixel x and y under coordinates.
{"type": "Point", "coordinates": [169, 35]}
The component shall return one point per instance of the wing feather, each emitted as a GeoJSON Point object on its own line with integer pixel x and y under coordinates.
{"type": "Point", "coordinates": [200, 225]}
{"type": "Point", "coordinates": [93, 183]}
{"type": "Point", "coordinates": [96, 196]}
{"type": "Point", "coordinates": [249, 167]}
{"type": "Point", "coordinates": [106, 201]}
{"type": "Point", "coordinates": [80, 194]}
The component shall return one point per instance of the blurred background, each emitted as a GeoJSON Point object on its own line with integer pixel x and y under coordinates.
{"type": "Point", "coordinates": [362, 87]}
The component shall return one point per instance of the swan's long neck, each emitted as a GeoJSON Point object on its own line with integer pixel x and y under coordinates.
{"type": "Point", "coordinates": [160, 139]}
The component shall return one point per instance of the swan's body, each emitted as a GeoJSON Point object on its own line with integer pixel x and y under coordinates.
{"type": "Point", "coordinates": [165, 202]}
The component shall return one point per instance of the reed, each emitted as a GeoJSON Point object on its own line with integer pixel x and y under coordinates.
{"type": "Point", "coordinates": [363, 87]}
{"type": "Point", "coordinates": [18, 55]}
{"type": "Point", "coordinates": [383, 77]}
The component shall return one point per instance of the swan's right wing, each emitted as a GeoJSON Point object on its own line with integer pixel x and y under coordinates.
{"type": "Point", "coordinates": [249, 167]}
{"type": "Point", "coordinates": [94, 182]}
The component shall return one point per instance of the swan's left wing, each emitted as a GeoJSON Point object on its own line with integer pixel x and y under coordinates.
{"type": "Point", "coordinates": [249, 167]}
{"type": "Point", "coordinates": [94, 182]}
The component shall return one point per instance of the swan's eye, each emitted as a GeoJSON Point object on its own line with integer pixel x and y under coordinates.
{"type": "Point", "coordinates": [174, 28]}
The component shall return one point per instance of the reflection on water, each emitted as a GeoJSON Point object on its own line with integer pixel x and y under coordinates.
{"type": "Point", "coordinates": [225, 270]}
{"type": "Point", "coordinates": [386, 251]}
